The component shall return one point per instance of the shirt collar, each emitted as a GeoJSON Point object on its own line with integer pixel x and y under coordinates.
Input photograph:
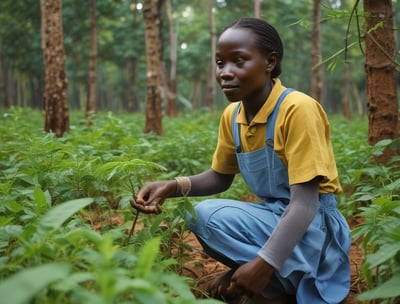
{"type": "Point", "coordinates": [266, 109]}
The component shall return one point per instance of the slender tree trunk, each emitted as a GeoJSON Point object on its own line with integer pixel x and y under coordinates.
{"type": "Point", "coordinates": [91, 106]}
{"type": "Point", "coordinates": [380, 68]}
{"type": "Point", "coordinates": [9, 83]}
{"type": "Point", "coordinates": [213, 39]}
{"type": "Point", "coordinates": [171, 109]}
{"type": "Point", "coordinates": [196, 94]}
{"type": "Point", "coordinates": [257, 8]}
{"type": "Point", "coordinates": [357, 98]}
{"type": "Point", "coordinates": [316, 66]}
{"type": "Point", "coordinates": [55, 92]}
{"type": "Point", "coordinates": [3, 91]}
{"type": "Point", "coordinates": [151, 17]}
{"type": "Point", "coordinates": [133, 105]}
{"type": "Point", "coordinates": [346, 104]}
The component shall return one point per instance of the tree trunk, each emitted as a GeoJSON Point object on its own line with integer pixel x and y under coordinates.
{"type": "Point", "coordinates": [55, 92]}
{"type": "Point", "coordinates": [213, 40]}
{"type": "Point", "coordinates": [380, 68]}
{"type": "Point", "coordinates": [92, 87]}
{"type": "Point", "coordinates": [3, 91]}
{"type": "Point", "coordinates": [196, 94]}
{"type": "Point", "coordinates": [346, 104]}
{"type": "Point", "coordinates": [151, 17]}
{"type": "Point", "coordinates": [357, 98]}
{"type": "Point", "coordinates": [316, 66]}
{"type": "Point", "coordinates": [257, 8]}
{"type": "Point", "coordinates": [171, 109]}
{"type": "Point", "coordinates": [133, 105]}
{"type": "Point", "coordinates": [9, 88]}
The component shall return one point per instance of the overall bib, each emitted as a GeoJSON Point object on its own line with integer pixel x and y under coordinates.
{"type": "Point", "coordinates": [318, 270]}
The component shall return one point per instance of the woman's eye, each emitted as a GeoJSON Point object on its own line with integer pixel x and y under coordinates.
{"type": "Point", "coordinates": [220, 63]}
{"type": "Point", "coordinates": [239, 60]}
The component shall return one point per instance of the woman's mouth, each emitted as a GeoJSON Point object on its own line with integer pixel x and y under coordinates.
{"type": "Point", "coordinates": [229, 88]}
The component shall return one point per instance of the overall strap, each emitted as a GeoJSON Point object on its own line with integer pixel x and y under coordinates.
{"type": "Point", "coordinates": [236, 129]}
{"type": "Point", "coordinates": [271, 118]}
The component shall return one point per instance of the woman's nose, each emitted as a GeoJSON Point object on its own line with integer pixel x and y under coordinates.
{"type": "Point", "coordinates": [226, 72]}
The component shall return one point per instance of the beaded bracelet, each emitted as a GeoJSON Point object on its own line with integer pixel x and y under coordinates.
{"type": "Point", "coordinates": [184, 185]}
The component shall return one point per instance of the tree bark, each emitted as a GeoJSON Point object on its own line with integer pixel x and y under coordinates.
{"type": "Point", "coordinates": [133, 105]}
{"type": "Point", "coordinates": [196, 94]}
{"type": "Point", "coordinates": [171, 108]}
{"type": "Point", "coordinates": [257, 8]}
{"type": "Point", "coordinates": [91, 106]}
{"type": "Point", "coordinates": [55, 92]}
{"type": "Point", "coordinates": [380, 68]}
{"type": "Point", "coordinates": [316, 66]}
{"type": "Point", "coordinates": [213, 43]}
{"type": "Point", "coordinates": [3, 87]}
{"type": "Point", "coordinates": [346, 104]}
{"type": "Point", "coordinates": [151, 17]}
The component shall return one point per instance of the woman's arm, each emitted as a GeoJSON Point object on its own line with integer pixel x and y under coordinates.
{"type": "Point", "coordinates": [152, 195]}
{"type": "Point", "coordinates": [210, 182]}
{"type": "Point", "coordinates": [253, 276]}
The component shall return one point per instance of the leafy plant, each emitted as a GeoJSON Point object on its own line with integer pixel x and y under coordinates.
{"type": "Point", "coordinates": [64, 207]}
{"type": "Point", "coordinates": [47, 221]}
{"type": "Point", "coordinates": [380, 239]}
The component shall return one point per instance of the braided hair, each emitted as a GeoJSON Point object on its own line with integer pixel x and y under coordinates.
{"type": "Point", "coordinates": [268, 39]}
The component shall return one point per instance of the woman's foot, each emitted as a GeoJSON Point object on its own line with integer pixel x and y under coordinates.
{"type": "Point", "coordinates": [218, 286]}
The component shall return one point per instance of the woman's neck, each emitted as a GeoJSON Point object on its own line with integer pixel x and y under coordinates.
{"type": "Point", "coordinates": [253, 104]}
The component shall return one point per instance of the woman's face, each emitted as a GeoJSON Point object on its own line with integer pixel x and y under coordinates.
{"type": "Point", "coordinates": [243, 72]}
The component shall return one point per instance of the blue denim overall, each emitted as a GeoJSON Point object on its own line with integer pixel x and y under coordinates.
{"type": "Point", "coordinates": [318, 270]}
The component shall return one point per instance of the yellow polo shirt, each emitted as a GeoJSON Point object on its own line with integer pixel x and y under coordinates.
{"type": "Point", "coordinates": [301, 140]}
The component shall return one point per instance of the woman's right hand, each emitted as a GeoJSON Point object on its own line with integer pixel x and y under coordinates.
{"type": "Point", "coordinates": [152, 195]}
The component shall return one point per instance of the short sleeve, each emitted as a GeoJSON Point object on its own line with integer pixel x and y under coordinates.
{"type": "Point", "coordinates": [224, 158]}
{"type": "Point", "coordinates": [302, 137]}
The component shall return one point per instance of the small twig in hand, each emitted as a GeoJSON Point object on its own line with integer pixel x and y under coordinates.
{"type": "Point", "coordinates": [133, 227]}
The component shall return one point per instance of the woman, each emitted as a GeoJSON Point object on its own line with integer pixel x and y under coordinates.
{"type": "Point", "coordinates": [294, 242]}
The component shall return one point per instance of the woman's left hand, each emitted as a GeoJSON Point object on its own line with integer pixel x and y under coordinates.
{"type": "Point", "coordinates": [250, 278]}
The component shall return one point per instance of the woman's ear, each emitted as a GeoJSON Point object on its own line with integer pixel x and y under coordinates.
{"type": "Point", "coordinates": [270, 61]}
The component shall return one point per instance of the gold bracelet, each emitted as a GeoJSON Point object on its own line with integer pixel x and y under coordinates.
{"type": "Point", "coordinates": [184, 184]}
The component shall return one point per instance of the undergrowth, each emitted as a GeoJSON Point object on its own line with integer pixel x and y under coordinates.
{"type": "Point", "coordinates": [65, 212]}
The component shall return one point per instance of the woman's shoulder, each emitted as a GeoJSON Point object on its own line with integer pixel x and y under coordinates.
{"type": "Point", "coordinates": [229, 110]}
{"type": "Point", "coordinates": [300, 98]}
{"type": "Point", "coordinates": [299, 101]}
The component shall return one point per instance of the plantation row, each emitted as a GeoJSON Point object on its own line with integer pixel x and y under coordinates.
{"type": "Point", "coordinates": [65, 213]}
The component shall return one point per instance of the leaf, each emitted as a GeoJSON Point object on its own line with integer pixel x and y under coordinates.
{"type": "Point", "coordinates": [366, 197]}
{"type": "Point", "coordinates": [377, 26]}
{"type": "Point", "coordinates": [388, 289]}
{"type": "Point", "coordinates": [83, 233]}
{"type": "Point", "coordinates": [41, 204]}
{"type": "Point", "coordinates": [386, 252]}
{"type": "Point", "coordinates": [22, 286]}
{"type": "Point", "coordinates": [208, 301]}
{"type": "Point", "coordinates": [56, 216]}
{"type": "Point", "coordinates": [72, 281]}
{"type": "Point", "coordinates": [179, 285]}
{"type": "Point", "coordinates": [147, 257]}
{"type": "Point", "coordinates": [9, 231]}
